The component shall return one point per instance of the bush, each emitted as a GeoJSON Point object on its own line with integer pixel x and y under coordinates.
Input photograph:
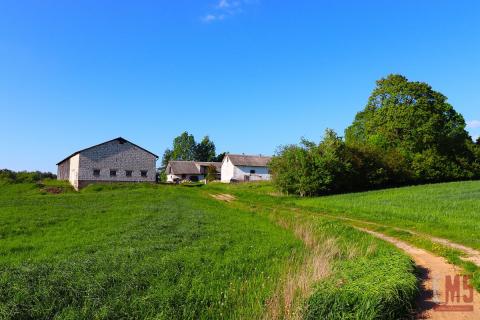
{"type": "Point", "coordinates": [309, 169]}
{"type": "Point", "coordinates": [10, 176]}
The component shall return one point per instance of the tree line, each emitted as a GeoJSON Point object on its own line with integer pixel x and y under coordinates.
{"type": "Point", "coordinates": [406, 134]}
{"type": "Point", "coordinates": [9, 176]}
{"type": "Point", "coordinates": [185, 148]}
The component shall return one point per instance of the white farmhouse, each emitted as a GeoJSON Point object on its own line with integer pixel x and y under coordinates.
{"type": "Point", "coordinates": [179, 171]}
{"type": "Point", "coordinates": [117, 160]}
{"type": "Point", "coordinates": [240, 168]}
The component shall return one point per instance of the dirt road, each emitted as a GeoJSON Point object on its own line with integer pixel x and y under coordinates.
{"type": "Point", "coordinates": [445, 293]}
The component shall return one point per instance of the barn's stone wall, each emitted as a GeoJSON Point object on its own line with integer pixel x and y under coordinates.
{"type": "Point", "coordinates": [119, 156]}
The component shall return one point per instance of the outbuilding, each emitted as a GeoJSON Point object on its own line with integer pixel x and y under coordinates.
{"type": "Point", "coordinates": [180, 171]}
{"type": "Point", "coordinates": [243, 168]}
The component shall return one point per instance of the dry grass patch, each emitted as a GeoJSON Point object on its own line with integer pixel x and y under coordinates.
{"type": "Point", "coordinates": [298, 282]}
{"type": "Point", "coordinates": [224, 197]}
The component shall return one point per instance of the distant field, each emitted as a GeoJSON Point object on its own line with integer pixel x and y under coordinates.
{"type": "Point", "coordinates": [448, 210]}
{"type": "Point", "coordinates": [176, 252]}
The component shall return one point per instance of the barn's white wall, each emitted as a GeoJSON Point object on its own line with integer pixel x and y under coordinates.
{"type": "Point", "coordinates": [227, 171]}
{"type": "Point", "coordinates": [74, 170]}
{"type": "Point", "coordinates": [261, 173]}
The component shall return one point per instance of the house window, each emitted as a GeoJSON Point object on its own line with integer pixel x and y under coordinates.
{"type": "Point", "coordinates": [252, 171]}
{"type": "Point", "coordinates": [143, 173]}
{"type": "Point", "coordinates": [113, 173]}
{"type": "Point", "coordinates": [128, 173]}
{"type": "Point", "coordinates": [96, 172]}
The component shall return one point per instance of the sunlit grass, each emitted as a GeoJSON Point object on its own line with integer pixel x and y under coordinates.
{"type": "Point", "coordinates": [448, 210]}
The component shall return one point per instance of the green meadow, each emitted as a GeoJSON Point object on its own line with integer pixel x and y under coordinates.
{"type": "Point", "coordinates": [165, 252]}
{"type": "Point", "coordinates": [447, 210]}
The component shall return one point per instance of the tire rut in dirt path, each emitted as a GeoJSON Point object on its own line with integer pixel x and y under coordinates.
{"type": "Point", "coordinates": [440, 281]}
{"type": "Point", "coordinates": [470, 254]}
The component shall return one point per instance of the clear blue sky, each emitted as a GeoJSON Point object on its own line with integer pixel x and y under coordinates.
{"type": "Point", "coordinates": [252, 74]}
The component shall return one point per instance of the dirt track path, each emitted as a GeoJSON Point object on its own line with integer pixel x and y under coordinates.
{"type": "Point", "coordinates": [435, 273]}
{"type": "Point", "coordinates": [470, 254]}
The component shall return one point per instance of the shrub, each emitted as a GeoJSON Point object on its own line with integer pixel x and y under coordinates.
{"type": "Point", "coordinates": [10, 176]}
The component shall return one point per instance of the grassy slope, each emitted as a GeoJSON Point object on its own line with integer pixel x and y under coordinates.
{"type": "Point", "coordinates": [143, 251]}
{"type": "Point", "coordinates": [369, 279]}
{"type": "Point", "coordinates": [134, 252]}
{"type": "Point", "coordinates": [448, 210]}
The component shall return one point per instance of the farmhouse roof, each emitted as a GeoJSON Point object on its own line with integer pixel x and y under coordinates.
{"type": "Point", "coordinates": [217, 165]}
{"type": "Point", "coordinates": [190, 167]}
{"type": "Point", "coordinates": [248, 160]}
{"type": "Point", "coordinates": [119, 139]}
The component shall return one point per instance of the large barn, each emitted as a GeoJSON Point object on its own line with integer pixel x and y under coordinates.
{"type": "Point", "coordinates": [117, 160]}
{"type": "Point", "coordinates": [243, 168]}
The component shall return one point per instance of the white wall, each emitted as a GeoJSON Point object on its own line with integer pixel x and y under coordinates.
{"type": "Point", "coordinates": [74, 170]}
{"type": "Point", "coordinates": [261, 173]}
{"type": "Point", "coordinates": [229, 172]}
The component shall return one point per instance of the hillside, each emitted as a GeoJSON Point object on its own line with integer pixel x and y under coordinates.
{"type": "Point", "coordinates": [449, 210]}
{"type": "Point", "coordinates": [216, 251]}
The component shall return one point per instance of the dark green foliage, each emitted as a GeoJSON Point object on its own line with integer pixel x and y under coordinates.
{"type": "Point", "coordinates": [205, 150]}
{"type": "Point", "coordinates": [167, 156]}
{"type": "Point", "coordinates": [311, 169]}
{"type": "Point", "coordinates": [407, 134]}
{"type": "Point", "coordinates": [416, 123]}
{"type": "Point", "coordinates": [219, 157]}
{"type": "Point", "coordinates": [184, 147]}
{"type": "Point", "coordinates": [24, 176]}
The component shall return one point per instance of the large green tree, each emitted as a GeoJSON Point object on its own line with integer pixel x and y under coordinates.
{"type": "Point", "coordinates": [205, 150]}
{"type": "Point", "coordinates": [416, 122]}
{"type": "Point", "coordinates": [184, 147]}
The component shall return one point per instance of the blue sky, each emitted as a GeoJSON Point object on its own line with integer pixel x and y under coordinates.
{"type": "Point", "coordinates": [251, 74]}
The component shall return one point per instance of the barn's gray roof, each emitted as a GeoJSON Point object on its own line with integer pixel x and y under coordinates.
{"type": "Point", "coordinates": [249, 161]}
{"type": "Point", "coordinates": [116, 139]}
{"type": "Point", "coordinates": [190, 167]}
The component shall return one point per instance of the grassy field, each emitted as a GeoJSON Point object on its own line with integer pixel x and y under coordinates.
{"type": "Point", "coordinates": [367, 278]}
{"type": "Point", "coordinates": [447, 210]}
{"type": "Point", "coordinates": [134, 252]}
{"type": "Point", "coordinates": [156, 251]}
